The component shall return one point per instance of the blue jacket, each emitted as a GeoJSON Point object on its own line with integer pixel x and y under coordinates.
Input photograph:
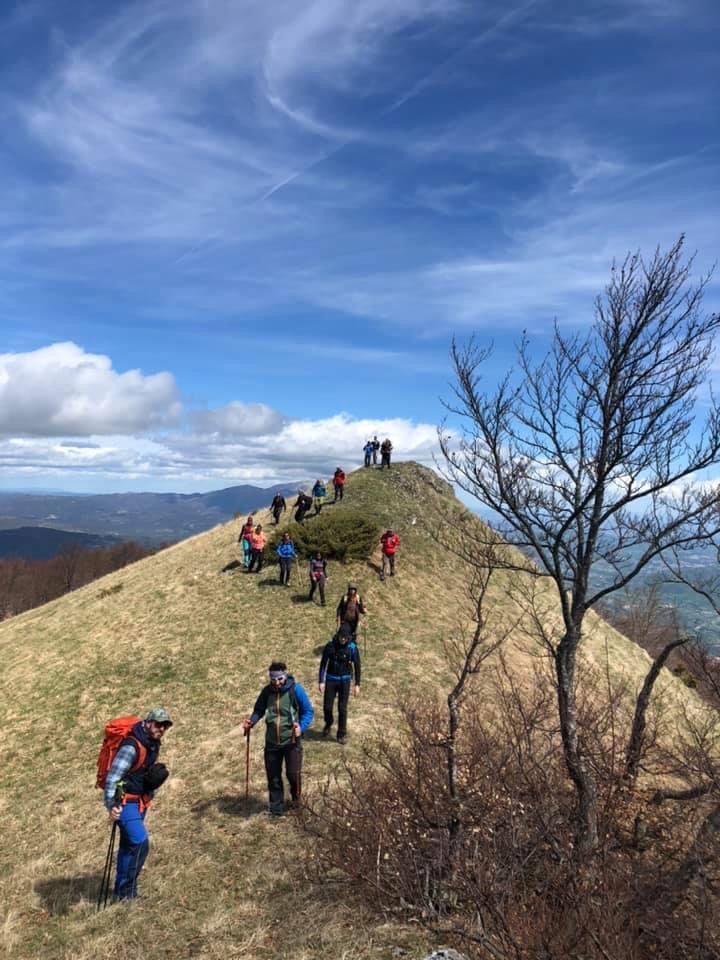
{"type": "Point", "coordinates": [319, 490]}
{"type": "Point", "coordinates": [286, 550]}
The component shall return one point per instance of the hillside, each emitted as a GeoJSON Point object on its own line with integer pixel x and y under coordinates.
{"type": "Point", "coordinates": [223, 881]}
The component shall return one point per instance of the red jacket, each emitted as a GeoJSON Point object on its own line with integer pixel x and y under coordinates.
{"type": "Point", "coordinates": [389, 543]}
{"type": "Point", "coordinates": [339, 478]}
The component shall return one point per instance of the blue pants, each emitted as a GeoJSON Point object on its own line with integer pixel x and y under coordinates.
{"type": "Point", "coordinates": [132, 851]}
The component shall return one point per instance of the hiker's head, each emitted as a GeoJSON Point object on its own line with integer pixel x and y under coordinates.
{"type": "Point", "coordinates": [258, 528]}
{"type": "Point", "coordinates": [286, 537]}
{"type": "Point", "coordinates": [278, 673]}
{"type": "Point", "coordinates": [318, 555]}
{"type": "Point", "coordinates": [157, 721]}
{"type": "Point", "coordinates": [344, 633]}
{"type": "Point", "coordinates": [352, 589]}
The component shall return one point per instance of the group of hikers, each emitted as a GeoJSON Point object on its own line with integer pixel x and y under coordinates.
{"type": "Point", "coordinates": [129, 771]}
{"type": "Point", "coordinates": [371, 449]}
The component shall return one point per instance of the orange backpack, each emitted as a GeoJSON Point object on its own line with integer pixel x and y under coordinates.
{"type": "Point", "coordinates": [116, 731]}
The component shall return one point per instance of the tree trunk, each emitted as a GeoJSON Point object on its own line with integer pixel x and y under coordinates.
{"type": "Point", "coordinates": [580, 773]}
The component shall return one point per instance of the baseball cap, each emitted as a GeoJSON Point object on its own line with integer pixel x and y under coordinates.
{"type": "Point", "coordinates": [159, 715]}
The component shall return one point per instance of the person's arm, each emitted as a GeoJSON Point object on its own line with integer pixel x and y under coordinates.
{"type": "Point", "coordinates": [258, 710]}
{"type": "Point", "coordinates": [305, 708]}
{"type": "Point", "coordinates": [340, 609]}
{"type": "Point", "coordinates": [356, 664]}
{"type": "Point", "coordinates": [322, 676]}
{"type": "Point", "coordinates": [123, 762]}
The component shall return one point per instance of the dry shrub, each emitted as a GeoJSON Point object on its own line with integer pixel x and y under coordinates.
{"type": "Point", "coordinates": [498, 871]}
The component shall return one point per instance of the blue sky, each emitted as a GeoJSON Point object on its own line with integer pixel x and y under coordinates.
{"type": "Point", "coordinates": [236, 237]}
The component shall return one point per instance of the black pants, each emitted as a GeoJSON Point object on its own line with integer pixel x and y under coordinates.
{"type": "Point", "coordinates": [317, 584]}
{"type": "Point", "coordinates": [385, 461]}
{"type": "Point", "coordinates": [256, 560]}
{"type": "Point", "coordinates": [285, 567]}
{"type": "Point", "coordinates": [291, 756]}
{"type": "Point", "coordinates": [341, 690]}
{"type": "Point", "coordinates": [339, 487]}
{"type": "Point", "coordinates": [276, 517]}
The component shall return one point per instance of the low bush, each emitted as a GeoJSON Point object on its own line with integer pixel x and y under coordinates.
{"type": "Point", "coordinates": [339, 534]}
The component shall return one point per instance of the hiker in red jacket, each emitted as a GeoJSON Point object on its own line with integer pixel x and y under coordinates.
{"type": "Point", "coordinates": [339, 484]}
{"type": "Point", "coordinates": [389, 541]}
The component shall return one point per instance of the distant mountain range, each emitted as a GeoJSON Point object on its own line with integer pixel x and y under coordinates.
{"type": "Point", "coordinates": [151, 518]}
{"type": "Point", "coordinates": [42, 543]}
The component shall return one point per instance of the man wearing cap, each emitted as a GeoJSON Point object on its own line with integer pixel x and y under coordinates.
{"type": "Point", "coordinates": [288, 713]}
{"type": "Point", "coordinates": [135, 784]}
{"type": "Point", "coordinates": [350, 608]}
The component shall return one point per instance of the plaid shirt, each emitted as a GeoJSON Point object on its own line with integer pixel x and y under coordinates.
{"type": "Point", "coordinates": [120, 767]}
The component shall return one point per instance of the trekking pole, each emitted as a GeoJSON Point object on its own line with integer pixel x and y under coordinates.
{"type": "Point", "coordinates": [298, 793]}
{"type": "Point", "coordinates": [247, 764]}
{"type": "Point", "coordinates": [105, 883]}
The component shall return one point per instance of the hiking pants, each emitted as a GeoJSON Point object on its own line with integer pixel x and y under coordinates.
{"type": "Point", "coordinates": [367, 459]}
{"type": "Point", "coordinates": [256, 560]}
{"type": "Point", "coordinates": [132, 850]}
{"type": "Point", "coordinates": [339, 488]}
{"type": "Point", "coordinates": [318, 501]}
{"type": "Point", "coordinates": [314, 584]}
{"type": "Point", "coordinates": [341, 690]}
{"type": "Point", "coordinates": [245, 544]}
{"type": "Point", "coordinates": [285, 567]}
{"type": "Point", "coordinates": [385, 461]}
{"type": "Point", "coordinates": [276, 516]}
{"type": "Point", "coordinates": [375, 453]}
{"type": "Point", "coordinates": [388, 559]}
{"type": "Point", "coordinates": [291, 755]}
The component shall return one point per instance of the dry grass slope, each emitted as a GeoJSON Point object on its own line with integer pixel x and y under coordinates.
{"type": "Point", "coordinates": [222, 879]}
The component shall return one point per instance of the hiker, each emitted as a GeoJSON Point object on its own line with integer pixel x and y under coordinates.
{"type": "Point", "coordinates": [318, 494]}
{"type": "Point", "coordinates": [385, 451]}
{"type": "Point", "coordinates": [339, 664]}
{"type": "Point", "coordinates": [302, 505]}
{"type": "Point", "coordinates": [257, 545]}
{"type": "Point", "coordinates": [318, 576]}
{"type": "Point", "coordinates": [285, 551]}
{"type": "Point", "coordinates": [368, 452]}
{"type": "Point", "coordinates": [128, 791]}
{"type": "Point", "coordinates": [339, 484]}
{"type": "Point", "coordinates": [277, 507]}
{"type": "Point", "coordinates": [244, 540]}
{"type": "Point", "coordinates": [376, 447]}
{"type": "Point", "coordinates": [350, 608]}
{"type": "Point", "coordinates": [288, 713]}
{"type": "Point", "coordinates": [389, 542]}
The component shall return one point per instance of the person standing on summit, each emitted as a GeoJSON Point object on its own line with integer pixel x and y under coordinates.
{"type": "Point", "coordinates": [288, 713]}
{"type": "Point", "coordinates": [375, 448]}
{"type": "Point", "coordinates": [385, 452]}
{"type": "Point", "coordinates": [339, 484]}
{"type": "Point", "coordinates": [368, 452]}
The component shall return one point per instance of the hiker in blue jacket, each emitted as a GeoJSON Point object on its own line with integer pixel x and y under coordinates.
{"type": "Point", "coordinates": [319, 492]}
{"type": "Point", "coordinates": [288, 713]}
{"type": "Point", "coordinates": [286, 554]}
{"type": "Point", "coordinates": [339, 665]}
{"type": "Point", "coordinates": [127, 797]}
{"type": "Point", "coordinates": [368, 452]}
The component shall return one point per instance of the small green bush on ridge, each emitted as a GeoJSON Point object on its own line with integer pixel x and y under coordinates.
{"type": "Point", "coordinates": [342, 535]}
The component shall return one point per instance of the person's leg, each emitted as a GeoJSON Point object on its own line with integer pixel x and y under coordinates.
{"type": "Point", "coordinates": [391, 561]}
{"type": "Point", "coordinates": [382, 569]}
{"type": "Point", "coordinates": [253, 558]}
{"type": "Point", "coordinates": [132, 851]}
{"type": "Point", "coordinates": [273, 768]}
{"type": "Point", "coordinates": [260, 559]}
{"type": "Point", "coordinates": [342, 490]}
{"type": "Point", "coordinates": [343, 689]}
{"type": "Point", "coordinates": [328, 701]}
{"type": "Point", "coordinates": [321, 584]}
{"type": "Point", "coordinates": [313, 585]}
{"type": "Point", "coordinates": [293, 768]}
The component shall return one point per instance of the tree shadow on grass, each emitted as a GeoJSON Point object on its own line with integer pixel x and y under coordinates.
{"type": "Point", "coordinates": [230, 804]}
{"type": "Point", "coordinates": [60, 894]}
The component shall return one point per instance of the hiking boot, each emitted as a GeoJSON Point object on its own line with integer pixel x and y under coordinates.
{"type": "Point", "coordinates": [342, 740]}
{"type": "Point", "coordinates": [326, 729]}
{"type": "Point", "coordinates": [322, 603]}
{"type": "Point", "coordinates": [382, 576]}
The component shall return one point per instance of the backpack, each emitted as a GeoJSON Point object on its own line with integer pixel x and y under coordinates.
{"type": "Point", "coordinates": [116, 731]}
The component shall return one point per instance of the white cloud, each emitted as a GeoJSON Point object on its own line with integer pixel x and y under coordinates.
{"type": "Point", "coordinates": [61, 390]}
{"type": "Point", "coordinates": [184, 461]}
{"type": "Point", "coordinates": [238, 420]}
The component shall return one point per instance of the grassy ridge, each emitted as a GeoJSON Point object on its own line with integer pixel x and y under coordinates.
{"type": "Point", "coordinates": [222, 881]}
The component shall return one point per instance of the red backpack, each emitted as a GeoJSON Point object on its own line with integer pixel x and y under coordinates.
{"type": "Point", "coordinates": [116, 731]}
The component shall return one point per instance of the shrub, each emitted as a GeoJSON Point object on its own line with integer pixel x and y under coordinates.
{"type": "Point", "coordinates": [339, 534]}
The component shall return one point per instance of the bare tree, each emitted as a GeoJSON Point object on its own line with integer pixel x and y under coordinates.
{"type": "Point", "coordinates": [589, 455]}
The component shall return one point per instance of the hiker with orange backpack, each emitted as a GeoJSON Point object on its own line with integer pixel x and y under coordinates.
{"type": "Point", "coordinates": [129, 774]}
